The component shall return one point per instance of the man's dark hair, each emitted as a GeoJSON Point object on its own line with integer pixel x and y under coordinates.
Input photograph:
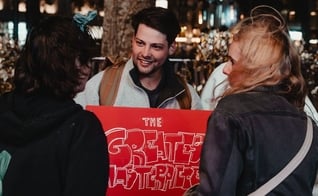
{"type": "Point", "coordinates": [47, 62]}
{"type": "Point", "coordinates": [161, 19]}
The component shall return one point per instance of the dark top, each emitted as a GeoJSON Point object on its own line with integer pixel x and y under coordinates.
{"type": "Point", "coordinates": [57, 148]}
{"type": "Point", "coordinates": [250, 138]}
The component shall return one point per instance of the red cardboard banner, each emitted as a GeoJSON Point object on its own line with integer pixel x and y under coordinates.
{"type": "Point", "coordinates": [152, 151]}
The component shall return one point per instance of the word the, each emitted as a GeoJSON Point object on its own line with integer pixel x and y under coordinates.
{"type": "Point", "coordinates": [152, 122]}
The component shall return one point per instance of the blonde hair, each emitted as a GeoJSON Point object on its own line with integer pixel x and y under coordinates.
{"type": "Point", "coordinates": [268, 56]}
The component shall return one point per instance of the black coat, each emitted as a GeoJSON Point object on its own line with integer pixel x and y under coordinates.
{"type": "Point", "coordinates": [57, 148]}
{"type": "Point", "coordinates": [250, 138]}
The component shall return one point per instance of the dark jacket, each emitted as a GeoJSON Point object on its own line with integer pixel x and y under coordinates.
{"type": "Point", "coordinates": [57, 148]}
{"type": "Point", "coordinates": [250, 138]}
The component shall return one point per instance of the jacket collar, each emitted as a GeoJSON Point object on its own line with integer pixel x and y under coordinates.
{"type": "Point", "coordinates": [169, 86]}
{"type": "Point", "coordinates": [273, 89]}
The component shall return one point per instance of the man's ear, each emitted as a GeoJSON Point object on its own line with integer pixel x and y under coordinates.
{"type": "Point", "coordinates": [172, 48]}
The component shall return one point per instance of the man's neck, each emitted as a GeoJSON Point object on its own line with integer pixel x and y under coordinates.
{"type": "Point", "coordinates": [152, 81]}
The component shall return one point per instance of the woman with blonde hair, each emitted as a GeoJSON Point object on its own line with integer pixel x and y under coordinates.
{"type": "Point", "coordinates": [259, 125]}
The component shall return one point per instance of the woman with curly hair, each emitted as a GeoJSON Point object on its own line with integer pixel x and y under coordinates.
{"type": "Point", "coordinates": [49, 145]}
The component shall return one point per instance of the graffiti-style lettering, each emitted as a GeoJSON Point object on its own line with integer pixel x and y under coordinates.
{"type": "Point", "coordinates": [152, 159]}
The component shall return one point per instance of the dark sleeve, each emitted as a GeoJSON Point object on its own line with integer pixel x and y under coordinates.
{"type": "Point", "coordinates": [88, 165]}
{"type": "Point", "coordinates": [221, 161]}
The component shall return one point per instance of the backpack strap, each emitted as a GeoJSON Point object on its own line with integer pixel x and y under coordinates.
{"type": "Point", "coordinates": [110, 82]}
{"type": "Point", "coordinates": [290, 167]}
{"type": "Point", "coordinates": [184, 99]}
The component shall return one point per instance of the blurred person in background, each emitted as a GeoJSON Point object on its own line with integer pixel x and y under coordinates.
{"type": "Point", "coordinates": [217, 84]}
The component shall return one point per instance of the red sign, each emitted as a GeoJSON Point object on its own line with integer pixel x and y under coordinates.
{"type": "Point", "coordinates": [152, 151]}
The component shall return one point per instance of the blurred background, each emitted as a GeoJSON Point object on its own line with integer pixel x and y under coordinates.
{"type": "Point", "coordinates": [202, 43]}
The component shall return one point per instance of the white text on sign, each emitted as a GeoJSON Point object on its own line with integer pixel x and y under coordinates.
{"type": "Point", "coordinates": [152, 121]}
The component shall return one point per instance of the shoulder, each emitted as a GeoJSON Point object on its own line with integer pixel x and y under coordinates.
{"type": "Point", "coordinates": [196, 101]}
{"type": "Point", "coordinates": [243, 100]}
{"type": "Point", "coordinates": [310, 110]}
{"type": "Point", "coordinates": [90, 93]}
{"type": "Point", "coordinates": [83, 119]}
{"type": "Point", "coordinates": [216, 84]}
{"type": "Point", "coordinates": [87, 117]}
{"type": "Point", "coordinates": [193, 92]}
{"type": "Point", "coordinates": [216, 77]}
{"type": "Point", "coordinates": [95, 80]}
{"type": "Point", "coordinates": [254, 102]}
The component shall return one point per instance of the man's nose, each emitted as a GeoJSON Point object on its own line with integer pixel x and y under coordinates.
{"type": "Point", "coordinates": [146, 51]}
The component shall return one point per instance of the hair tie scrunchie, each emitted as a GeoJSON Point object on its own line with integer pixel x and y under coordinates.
{"type": "Point", "coordinates": [82, 20]}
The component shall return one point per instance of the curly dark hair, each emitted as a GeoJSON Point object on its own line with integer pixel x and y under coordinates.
{"type": "Point", "coordinates": [161, 19]}
{"type": "Point", "coordinates": [52, 58]}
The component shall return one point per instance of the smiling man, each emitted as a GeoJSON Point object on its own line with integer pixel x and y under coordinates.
{"type": "Point", "coordinates": [148, 78]}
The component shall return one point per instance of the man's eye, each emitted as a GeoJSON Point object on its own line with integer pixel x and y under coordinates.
{"type": "Point", "coordinates": [157, 47]}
